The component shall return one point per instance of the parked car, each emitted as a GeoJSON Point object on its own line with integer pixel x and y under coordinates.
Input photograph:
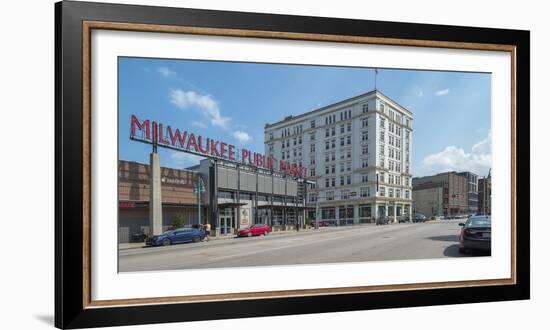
{"type": "Point", "coordinates": [255, 230]}
{"type": "Point", "coordinates": [475, 234]}
{"type": "Point", "coordinates": [419, 217]}
{"type": "Point", "coordinates": [382, 221]}
{"type": "Point", "coordinates": [179, 235]}
{"type": "Point", "coordinates": [403, 218]}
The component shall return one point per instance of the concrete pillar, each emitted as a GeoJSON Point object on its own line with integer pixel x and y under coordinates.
{"type": "Point", "coordinates": [410, 212]}
{"type": "Point", "coordinates": [394, 213]}
{"type": "Point", "coordinates": [155, 197]}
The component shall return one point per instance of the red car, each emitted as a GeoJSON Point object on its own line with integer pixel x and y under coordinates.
{"type": "Point", "coordinates": [255, 230]}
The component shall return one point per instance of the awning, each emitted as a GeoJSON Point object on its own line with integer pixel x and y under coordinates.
{"type": "Point", "coordinates": [299, 207]}
{"type": "Point", "coordinates": [230, 205]}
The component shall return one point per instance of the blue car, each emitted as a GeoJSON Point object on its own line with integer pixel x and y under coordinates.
{"type": "Point", "coordinates": [180, 235]}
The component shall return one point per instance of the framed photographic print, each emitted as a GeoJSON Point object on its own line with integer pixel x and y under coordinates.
{"type": "Point", "coordinates": [214, 164]}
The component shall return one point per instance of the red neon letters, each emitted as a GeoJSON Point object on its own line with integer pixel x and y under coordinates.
{"type": "Point", "coordinates": [188, 141]}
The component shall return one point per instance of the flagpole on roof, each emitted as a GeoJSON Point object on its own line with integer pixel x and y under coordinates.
{"type": "Point", "coordinates": [375, 75]}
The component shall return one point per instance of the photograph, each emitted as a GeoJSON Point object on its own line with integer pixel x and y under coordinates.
{"type": "Point", "coordinates": [250, 164]}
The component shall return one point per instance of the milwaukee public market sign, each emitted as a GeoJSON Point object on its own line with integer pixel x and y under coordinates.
{"type": "Point", "coordinates": [161, 135]}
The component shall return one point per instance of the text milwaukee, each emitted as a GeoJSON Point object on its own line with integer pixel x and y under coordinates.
{"type": "Point", "coordinates": [165, 136]}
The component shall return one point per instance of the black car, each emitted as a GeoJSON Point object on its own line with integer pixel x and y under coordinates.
{"type": "Point", "coordinates": [475, 234]}
{"type": "Point", "coordinates": [419, 217]}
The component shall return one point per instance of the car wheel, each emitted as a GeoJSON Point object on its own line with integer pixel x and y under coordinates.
{"type": "Point", "coordinates": [249, 235]}
{"type": "Point", "coordinates": [196, 239]}
{"type": "Point", "coordinates": [166, 242]}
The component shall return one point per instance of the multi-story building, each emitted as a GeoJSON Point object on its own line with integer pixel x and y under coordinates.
{"type": "Point", "coordinates": [472, 190]}
{"type": "Point", "coordinates": [358, 154]}
{"type": "Point", "coordinates": [454, 192]}
{"type": "Point", "coordinates": [484, 195]}
{"type": "Point", "coordinates": [428, 199]}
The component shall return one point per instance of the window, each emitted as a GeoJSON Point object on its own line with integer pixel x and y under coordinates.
{"type": "Point", "coordinates": [327, 144]}
{"type": "Point", "coordinates": [312, 198]}
{"type": "Point", "coordinates": [328, 212]}
{"type": "Point", "coordinates": [327, 157]}
{"type": "Point", "coordinates": [365, 107]}
{"type": "Point", "coordinates": [365, 192]}
{"type": "Point", "coordinates": [397, 193]}
{"type": "Point", "coordinates": [349, 127]}
{"type": "Point", "coordinates": [382, 135]}
{"type": "Point", "coordinates": [327, 169]}
{"type": "Point", "coordinates": [312, 171]}
{"type": "Point", "coordinates": [270, 148]}
{"type": "Point", "coordinates": [341, 180]}
{"type": "Point", "coordinates": [364, 178]}
{"type": "Point", "coordinates": [348, 166]}
{"type": "Point", "coordinates": [294, 141]}
{"type": "Point", "coordinates": [342, 168]}
{"type": "Point", "coordinates": [390, 192]}
{"type": "Point", "coordinates": [365, 211]}
{"type": "Point", "coordinates": [382, 162]}
{"type": "Point", "coordinates": [282, 155]}
{"type": "Point", "coordinates": [270, 136]}
{"type": "Point", "coordinates": [382, 191]}
{"type": "Point", "coordinates": [345, 194]}
{"type": "Point", "coordinates": [382, 177]}
{"type": "Point", "coordinates": [348, 179]}
{"type": "Point", "coordinates": [342, 129]}
{"type": "Point", "coordinates": [333, 169]}
{"type": "Point", "coordinates": [382, 149]}
{"type": "Point", "coordinates": [382, 123]}
{"type": "Point", "coordinates": [364, 122]}
{"type": "Point", "coordinates": [327, 182]}
{"type": "Point", "coordinates": [364, 163]}
{"type": "Point", "coordinates": [348, 139]}
{"type": "Point", "coordinates": [342, 154]}
{"type": "Point", "coordinates": [390, 179]}
{"type": "Point", "coordinates": [342, 142]}
{"type": "Point", "coordinates": [333, 155]}
{"type": "Point", "coordinates": [333, 130]}
{"type": "Point", "coordinates": [300, 139]}
{"type": "Point", "coordinates": [365, 136]}
{"type": "Point", "coordinates": [333, 143]}
{"type": "Point", "coordinates": [312, 136]}
{"type": "Point", "coordinates": [311, 148]}
{"type": "Point", "coordinates": [349, 154]}
{"type": "Point", "coordinates": [365, 149]}
{"type": "Point", "coordinates": [330, 196]}
{"type": "Point", "coordinates": [312, 160]}
{"type": "Point", "coordinates": [327, 132]}
{"type": "Point", "coordinates": [312, 124]}
{"type": "Point", "coordinates": [282, 144]}
{"type": "Point", "coordinates": [333, 182]}
{"type": "Point", "coordinates": [407, 194]}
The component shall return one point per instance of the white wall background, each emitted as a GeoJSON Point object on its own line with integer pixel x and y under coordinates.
{"type": "Point", "coordinates": [27, 163]}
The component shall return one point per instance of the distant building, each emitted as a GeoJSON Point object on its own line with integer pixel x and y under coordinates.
{"type": "Point", "coordinates": [472, 190]}
{"type": "Point", "coordinates": [428, 199]}
{"type": "Point", "coordinates": [454, 194]}
{"type": "Point", "coordinates": [484, 195]}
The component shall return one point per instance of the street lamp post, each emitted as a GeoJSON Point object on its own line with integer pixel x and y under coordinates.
{"type": "Point", "coordinates": [199, 189]}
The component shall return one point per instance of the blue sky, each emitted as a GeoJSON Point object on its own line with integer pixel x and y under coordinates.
{"type": "Point", "coordinates": [233, 101]}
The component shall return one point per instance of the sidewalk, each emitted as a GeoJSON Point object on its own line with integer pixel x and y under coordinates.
{"type": "Point", "coordinates": [139, 245]}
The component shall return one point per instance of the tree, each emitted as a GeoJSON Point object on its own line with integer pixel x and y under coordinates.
{"type": "Point", "coordinates": [178, 221]}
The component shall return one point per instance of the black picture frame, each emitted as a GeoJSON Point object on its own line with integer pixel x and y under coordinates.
{"type": "Point", "coordinates": [70, 176]}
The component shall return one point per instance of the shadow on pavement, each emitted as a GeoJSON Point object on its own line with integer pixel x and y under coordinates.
{"type": "Point", "coordinates": [452, 251]}
{"type": "Point", "coordinates": [445, 238]}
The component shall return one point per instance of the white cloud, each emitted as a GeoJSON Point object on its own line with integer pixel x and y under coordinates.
{"type": "Point", "coordinates": [453, 158]}
{"type": "Point", "coordinates": [184, 159]}
{"type": "Point", "coordinates": [165, 72]}
{"type": "Point", "coordinates": [205, 103]}
{"type": "Point", "coordinates": [198, 124]}
{"type": "Point", "coordinates": [443, 92]}
{"type": "Point", "coordinates": [241, 136]}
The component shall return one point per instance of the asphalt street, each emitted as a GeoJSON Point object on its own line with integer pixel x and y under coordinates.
{"type": "Point", "coordinates": [433, 239]}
